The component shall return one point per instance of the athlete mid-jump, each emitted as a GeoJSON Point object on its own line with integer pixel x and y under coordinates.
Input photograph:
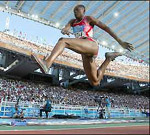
{"type": "Point", "coordinates": [84, 44]}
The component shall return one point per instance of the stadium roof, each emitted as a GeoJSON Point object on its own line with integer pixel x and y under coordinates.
{"type": "Point", "coordinates": [128, 19]}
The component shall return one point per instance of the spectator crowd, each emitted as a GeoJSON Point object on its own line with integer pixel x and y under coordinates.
{"type": "Point", "coordinates": [31, 92]}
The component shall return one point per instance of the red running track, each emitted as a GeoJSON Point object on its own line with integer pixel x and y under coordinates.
{"type": "Point", "coordinates": [108, 130]}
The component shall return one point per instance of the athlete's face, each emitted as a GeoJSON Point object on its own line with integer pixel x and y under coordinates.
{"type": "Point", "coordinates": [79, 12]}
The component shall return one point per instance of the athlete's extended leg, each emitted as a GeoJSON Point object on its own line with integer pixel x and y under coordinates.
{"type": "Point", "coordinates": [90, 68]}
{"type": "Point", "coordinates": [81, 46]}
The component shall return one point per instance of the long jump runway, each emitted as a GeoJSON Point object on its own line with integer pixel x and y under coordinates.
{"type": "Point", "coordinates": [120, 128]}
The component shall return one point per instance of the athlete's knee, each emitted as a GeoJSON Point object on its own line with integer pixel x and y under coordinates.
{"type": "Point", "coordinates": [63, 41]}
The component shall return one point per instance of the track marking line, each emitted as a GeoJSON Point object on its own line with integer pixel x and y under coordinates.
{"type": "Point", "coordinates": [73, 128]}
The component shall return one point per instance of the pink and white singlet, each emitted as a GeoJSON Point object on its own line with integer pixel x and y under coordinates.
{"type": "Point", "coordinates": [83, 29]}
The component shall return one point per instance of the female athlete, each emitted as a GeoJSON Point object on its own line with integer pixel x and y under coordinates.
{"type": "Point", "coordinates": [84, 44]}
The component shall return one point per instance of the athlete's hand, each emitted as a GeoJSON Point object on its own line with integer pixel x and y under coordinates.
{"type": "Point", "coordinates": [65, 31]}
{"type": "Point", "coordinates": [127, 46]}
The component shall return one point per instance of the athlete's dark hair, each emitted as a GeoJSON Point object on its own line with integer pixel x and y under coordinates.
{"type": "Point", "coordinates": [81, 6]}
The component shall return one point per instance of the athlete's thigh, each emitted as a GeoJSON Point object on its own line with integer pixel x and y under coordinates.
{"type": "Point", "coordinates": [90, 68]}
{"type": "Point", "coordinates": [82, 46]}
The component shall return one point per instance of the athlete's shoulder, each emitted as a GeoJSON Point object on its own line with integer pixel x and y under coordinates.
{"type": "Point", "coordinates": [92, 20]}
{"type": "Point", "coordinates": [72, 21]}
{"type": "Point", "coordinates": [90, 17]}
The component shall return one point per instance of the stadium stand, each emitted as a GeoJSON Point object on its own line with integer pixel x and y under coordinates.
{"type": "Point", "coordinates": [120, 68]}
{"type": "Point", "coordinates": [36, 92]}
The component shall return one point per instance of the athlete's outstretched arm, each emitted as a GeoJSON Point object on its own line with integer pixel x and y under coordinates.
{"type": "Point", "coordinates": [67, 27]}
{"type": "Point", "coordinates": [101, 25]}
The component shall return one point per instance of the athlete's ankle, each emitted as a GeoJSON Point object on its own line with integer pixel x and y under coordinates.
{"type": "Point", "coordinates": [48, 65]}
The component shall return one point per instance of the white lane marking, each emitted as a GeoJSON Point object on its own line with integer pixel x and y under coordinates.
{"type": "Point", "coordinates": [73, 128]}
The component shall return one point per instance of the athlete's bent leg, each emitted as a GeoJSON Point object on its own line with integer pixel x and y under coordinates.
{"type": "Point", "coordinates": [90, 69]}
{"type": "Point", "coordinates": [81, 46]}
{"type": "Point", "coordinates": [95, 76]}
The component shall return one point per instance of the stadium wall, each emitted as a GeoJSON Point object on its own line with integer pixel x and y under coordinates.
{"type": "Point", "coordinates": [32, 110]}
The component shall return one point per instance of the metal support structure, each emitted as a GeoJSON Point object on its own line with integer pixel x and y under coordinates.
{"type": "Point", "coordinates": [142, 44]}
{"type": "Point", "coordinates": [111, 17]}
{"type": "Point", "coordinates": [20, 4]}
{"type": "Point", "coordinates": [123, 8]}
{"type": "Point", "coordinates": [122, 27]}
{"type": "Point", "coordinates": [107, 11]}
{"type": "Point", "coordinates": [71, 77]}
{"type": "Point", "coordinates": [33, 6]}
{"type": "Point", "coordinates": [124, 18]}
{"type": "Point", "coordinates": [55, 72]}
{"type": "Point", "coordinates": [76, 81]}
{"type": "Point", "coordinates": [68, 13]}
{"type": "Point", "coordinates": [101, 6]}
{"type": "Point", "coordinates": [134, 27]}
{"type": "Point", "coordinates": [58, 9]}
{"type": "Point", "coordinates": [46, 8]}
{"type": "Point", "coordinates": [65, 74]}
{"type": "Point", "coordinates": [131, 21]}
{"type": "Point", "coordinates": [6, 3]}
{"type": "Point", "coordinates": [146, 50]}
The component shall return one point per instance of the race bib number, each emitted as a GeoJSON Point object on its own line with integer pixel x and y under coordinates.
{"type": "Point", "coordinates": [79, 31]}
{"type": "Point", "coordinates": [79, 34]}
